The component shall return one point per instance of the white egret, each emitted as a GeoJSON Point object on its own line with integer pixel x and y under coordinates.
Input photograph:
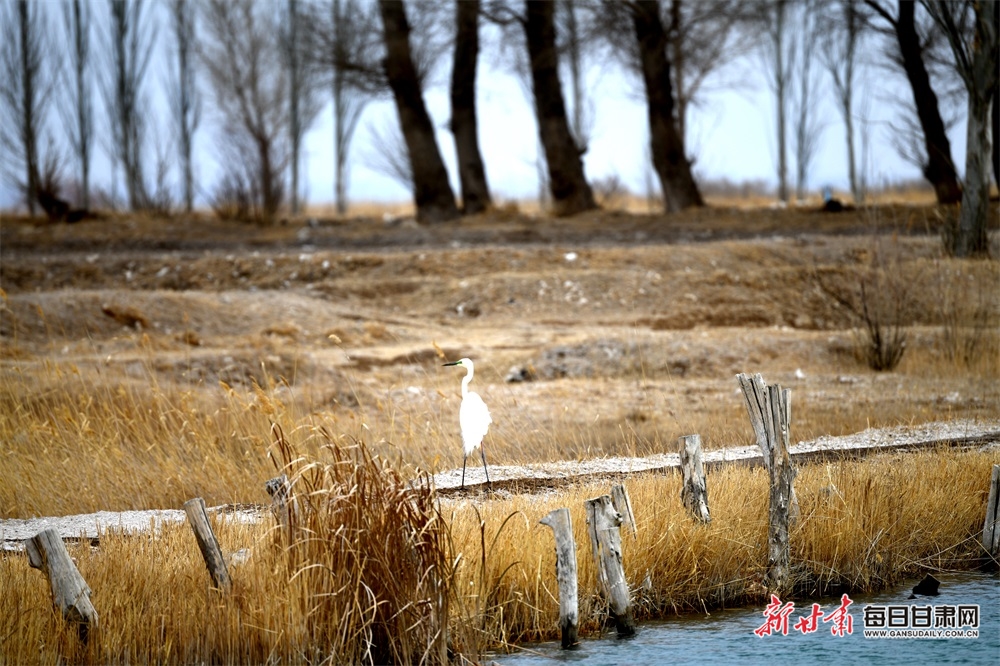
{"type": "Point", "coordinates": [473, 417]}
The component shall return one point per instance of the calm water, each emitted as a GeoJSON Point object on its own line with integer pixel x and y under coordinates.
{"type": "Point", "coordinates": [728, 636]}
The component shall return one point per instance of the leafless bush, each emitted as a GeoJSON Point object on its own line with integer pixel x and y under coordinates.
{"type": "Point", "coordinates": [160, 199]}
{"type": "Point", "coordinates": [878, 302]}
{"type": "Point", "coordinates": [232, 199]}
{"type": "Point", "coordinates": [610, 191]}
{"type": "Point", "coordinates": [968, 313]}
{"type": "Point", "coordinates": [882, 338]}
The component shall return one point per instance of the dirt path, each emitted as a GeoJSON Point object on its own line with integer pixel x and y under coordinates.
{"type": "Point", "coordinates": [530, 479]}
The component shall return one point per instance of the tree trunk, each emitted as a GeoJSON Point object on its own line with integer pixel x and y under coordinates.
{"type": "Point", "coordinates": [939, 170]}
{"type": "Point", "coordinates": [29, 123]}
{"type": "Point", "coordinates": [575, 74]}
{"type": "Point", "coordinates": [666, 143]}
{"type": "Point", "coordinates": [475, 192]}
{"type": "Point", "coordinates": [996, 114]}
{"type": "Point", "coordinates": [339, 143]}
{"type": "Point", "coordinates": [294, 97]}
{"type": "Point", "coordinates": [978, 56]}
{"type": "Point", "coordinates": [852, 169]}
{"type": "Point", "coordinates": [781, 94]}
{"type": "Point", "coordinates": [571, 193]}
{"type": "Point", "coordinates": [432, 192]}
{"type": "Point", "coordinates": [268, 182]}
{"type": "Point", "coordinates": [971, 239]}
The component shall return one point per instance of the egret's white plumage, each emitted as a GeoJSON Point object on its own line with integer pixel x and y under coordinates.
{"type": "Point", "coordinates": [473, 417]}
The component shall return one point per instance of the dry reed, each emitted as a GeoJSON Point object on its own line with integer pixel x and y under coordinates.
{"type": "Point", "coordinates": [379, 570]}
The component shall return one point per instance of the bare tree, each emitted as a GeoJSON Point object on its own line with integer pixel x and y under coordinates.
{"type": "Point", "coordinates": [666, 142]}
{"type": "Point", "coordinates": [244, 66]}
{"type": "Point", "coordinates": [703, 37]}
{"type": "Point", "coordinates": [303, 86]}
{"type": "Point", "coordinates": [843, 23]}
{"type": "Point", "coordinates": [346, 52]}
{"type": "Point", "coordinates": [128, 45]}
{"type": "Point", "coordinates": [432, 193]}
{"type": "Point", "coordinates": [77, 112]}
{"type": "Point", "coordinates": [185, 97]}
{"type": "Point", "coordinates": [938, 167]}
{"type": "Point", "coordinates": [977, 57]}
{"type": "Point", "coordinates": [348, 100]}
{"type": "Point", "coordinates": [25, 94]}
{"type": "Point", "coordinates": [571, 193]}
{"type": "Point", "coordinates": [472, 174]}
{"type": "Point", "coordinates": [778, 47]}
{"type": "Point", "coordinates": [569, 28]}
{"type": "Point", "coordinates": [807, 126]}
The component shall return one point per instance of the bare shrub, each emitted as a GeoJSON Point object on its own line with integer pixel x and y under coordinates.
{"type": "Point", "coordinates": [882, 339]}
{"type": "Point", "coordinates": [610, 191]}
{"type": "Point", "coordinates": [878, 302]}
{"type": "Point", "coordinates": [232, 199]}
{"type": "Point", "coordinates": [968, 313]}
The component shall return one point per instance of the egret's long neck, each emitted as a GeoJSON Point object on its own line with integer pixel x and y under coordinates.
{"type": "Point", "coordinates": [466, 380]}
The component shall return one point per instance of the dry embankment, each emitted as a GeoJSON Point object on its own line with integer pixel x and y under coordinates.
{"type": "Point", "coordinates": [525, 479]}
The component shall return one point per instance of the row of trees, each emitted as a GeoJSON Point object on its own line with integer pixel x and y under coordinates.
{"type": "Point", "coordinates": [268, 68]}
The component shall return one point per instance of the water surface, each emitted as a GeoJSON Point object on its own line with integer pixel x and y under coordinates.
{"type": "Point", "coordinates": [728, 636]}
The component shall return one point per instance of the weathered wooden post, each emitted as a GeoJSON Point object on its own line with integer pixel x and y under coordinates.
{"type": "Point", "coordinates": [282, 503]}
{"type": "Point", "coordinates": [562, 528]}
{"type": "Point", "coordinates": [605, 541]}
{"type": "Point", "coordinates": [756, 401]}
{"type": "Point", "coordinates": [207, 543]}
{"type": "Point", "coordinates": [770, 414]}
{"type": "Point", "coordinates": [991, 527]}
{"type": "Point", "coordinates": [694, 492]}
{"type": "Point", "coordinates": [70, 592]}
{"type": "Point", "coordinates": [623, 505]}
{"type": "Point", "coordinates": [782, 475]}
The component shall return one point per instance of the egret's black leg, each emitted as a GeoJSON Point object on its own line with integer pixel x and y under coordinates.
{"type": "Point", "coordinates": [482, 452]}
{"type": "Point", "coordinates": [466, 458]}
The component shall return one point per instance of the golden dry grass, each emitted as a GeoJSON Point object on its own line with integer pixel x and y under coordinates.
{"type": "Point", "coordinates": [79, 442]}
{"type": "Point", "coordinates": [378, 569]}
{"type": "Point", "coordinates": [94, 416]}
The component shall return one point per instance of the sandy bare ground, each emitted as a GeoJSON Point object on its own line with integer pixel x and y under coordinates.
{"type": "Point", "coordinates": [542, 478]}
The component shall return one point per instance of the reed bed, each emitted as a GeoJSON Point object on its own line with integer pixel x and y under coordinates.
{"type": "Point", "coordinates": [377, 569]}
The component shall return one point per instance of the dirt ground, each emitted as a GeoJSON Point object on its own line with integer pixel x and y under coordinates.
{"type": "Point", "coordinates": [631, 325]}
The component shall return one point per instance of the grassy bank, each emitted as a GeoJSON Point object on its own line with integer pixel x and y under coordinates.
{"type": "Point", "coordinates": [378, 569]}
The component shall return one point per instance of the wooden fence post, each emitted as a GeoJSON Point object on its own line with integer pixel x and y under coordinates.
{"type": "Point", "coordinates": [623, 505]}
{"type": "Point", "coordinates": [782, 475]}
{"type": "Point", "coordinates": [769, 408]}
{"type": "Point", "coordinates": [991, 526]}
{"type": "Point", "coordinates": [70, 592]}
{"type": "Point", "coordinates": [605, 541]}
{"type": "Point", "coordinates": [283, 505]}
{"type": "Point", "coordinates": [207, 543]}
{"type": "Point", "coordinates": [694, 492]}
{"type": "Point", "coordinates": [562, 528]}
